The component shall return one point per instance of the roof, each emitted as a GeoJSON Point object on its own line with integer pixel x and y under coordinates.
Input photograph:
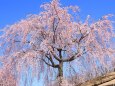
{"type": "Point", "coordinates": [106, 80]}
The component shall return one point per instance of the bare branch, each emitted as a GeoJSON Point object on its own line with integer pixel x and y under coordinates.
{"type": "Point", "coordinates": [55, 56]}
{"type": "Point", "coordinates": [55, 66]}
{"type": "Point", "coordinates": [71, 58]}
{"type": "Point", "coordinates": [50, 59]}
{"type": "Point", "coordinates": [20, 41]}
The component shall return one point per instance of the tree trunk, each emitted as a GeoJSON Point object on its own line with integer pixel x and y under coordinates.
{"type": "Point", "coordinates": [60, 73]}
{"type": "Point", "coordinates": [60, 68]}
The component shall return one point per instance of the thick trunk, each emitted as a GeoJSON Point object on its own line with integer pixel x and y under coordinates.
{"type": "Point", "coordinates": [60, 73]}
{"type": "Point", "coordinates": [60, 69]}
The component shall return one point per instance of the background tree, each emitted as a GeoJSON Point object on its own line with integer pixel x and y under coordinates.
{"type": "Point", "coordinates": [52, 41]}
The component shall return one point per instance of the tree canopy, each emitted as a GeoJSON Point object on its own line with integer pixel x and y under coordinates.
{"type": "Point", "coordinates": [54, 40]}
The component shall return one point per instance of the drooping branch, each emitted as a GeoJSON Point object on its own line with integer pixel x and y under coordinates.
{"type": "Point", "coordinates": [52, 65]}
{"type": "Point", "coordinates": [28, 42]}
{"type": "Point", "coordinates": [56, 57]}
{"type": "Point", "coordinates": [78, 53]}
{"type": "Point", "coordinates": [71, 58]}
{"type": "Point", "coordinates": [20, 41]}
{"type": "Point", "coordinates": [50, 59]}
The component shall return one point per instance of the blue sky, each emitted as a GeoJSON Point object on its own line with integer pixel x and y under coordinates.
{"type": "Point", "coordinates": [12, 11]}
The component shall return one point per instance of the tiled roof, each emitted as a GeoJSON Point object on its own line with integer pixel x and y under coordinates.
{"type": "Point", "coordinates": [106, 80]}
